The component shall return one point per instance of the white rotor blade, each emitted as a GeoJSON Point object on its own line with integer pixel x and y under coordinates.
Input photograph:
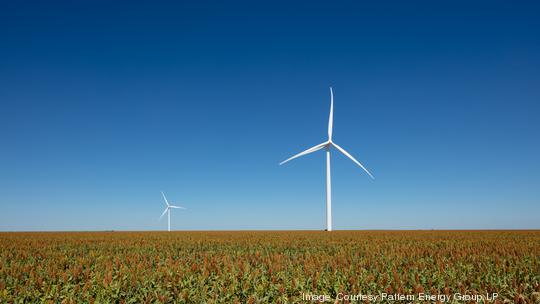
{"type": "Point", "coordinates": [166, 202]}
{"type": "Point", "coordinates": [166, 209]}
{"type": "Point", "coordinates": [310, 150]}
{"type": "Point", "coordinates": [352, 158]}
{"type": "Point", "coordinates": [331, 118]}
{"type": "Point", "coordinates": [176, 207]}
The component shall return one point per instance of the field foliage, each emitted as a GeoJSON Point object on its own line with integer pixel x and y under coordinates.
{"type": "Point", "coordinates": [264, 267]}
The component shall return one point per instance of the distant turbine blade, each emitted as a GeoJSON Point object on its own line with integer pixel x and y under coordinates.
{"type": "Point", "coordinates": [166, 209]}
{"type": "Point", "coordinates": [176, 207]}
{"type": "Point", "coordinates": [352, 158]}
{"type": "Point", "coordinates": [331, 118]}
{"type": "Point", "coordinates": [310, 150]}
{"type": "Point", "coordinates": [166, 202]}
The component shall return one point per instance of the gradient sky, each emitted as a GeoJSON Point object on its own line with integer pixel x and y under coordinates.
{"type": "Point", "coordinates": [103, 105]}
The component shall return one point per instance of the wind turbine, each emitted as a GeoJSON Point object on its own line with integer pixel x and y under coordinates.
{"type": "Point", "coordinates": [327, 145]}
{"type": "Point", "coordinates": [168, 210]}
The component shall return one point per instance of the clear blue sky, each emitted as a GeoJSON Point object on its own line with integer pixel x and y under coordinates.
{"type": "Point", "coordinates": [103, 105]}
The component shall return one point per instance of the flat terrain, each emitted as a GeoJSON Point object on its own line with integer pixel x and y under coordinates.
{"type": "Point", "coordinates": [266, 267]}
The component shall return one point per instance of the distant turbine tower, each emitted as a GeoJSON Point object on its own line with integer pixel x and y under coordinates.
{"type": "Point", "coordinates": [327, 145]}
{"type": "Point", "coordinates": [168, 210]}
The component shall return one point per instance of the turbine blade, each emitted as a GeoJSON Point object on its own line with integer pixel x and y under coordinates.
{"type": "Point", "coordinates": [310, 150]}
{"type": "Point", "coordinates": [331, 117]}
{"type": "Point", "coordinates": [352, 158]}
{"type": "Point", "coordinates": [166, 209]}
{"type": "Point", "coordinates": [176, 207]}
{"type": "Point", "coordinates": [166, 202]}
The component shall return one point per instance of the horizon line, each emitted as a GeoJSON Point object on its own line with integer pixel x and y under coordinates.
{"type": "Point", "coordinates": [266, 230]}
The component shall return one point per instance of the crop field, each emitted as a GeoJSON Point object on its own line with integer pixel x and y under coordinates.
{"type": "Point", "coordinates": [268, 267]}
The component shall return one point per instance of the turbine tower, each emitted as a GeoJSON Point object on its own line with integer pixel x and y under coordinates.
{"type": "Point", "coordinates": [327, 145]}
{"type": "Point", "coordinates": [168, 210]}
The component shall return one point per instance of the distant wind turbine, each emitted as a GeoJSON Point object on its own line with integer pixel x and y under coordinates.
{"type": "Point", "coordinates": [168, 210]}
{"type": "Point", "coordinates": [327, 145]}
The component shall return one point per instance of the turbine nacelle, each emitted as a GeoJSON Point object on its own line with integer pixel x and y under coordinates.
{"type": "Point", "coordinates": [328, 145]}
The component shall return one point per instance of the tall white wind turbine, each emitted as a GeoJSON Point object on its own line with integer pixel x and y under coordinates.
{"type": "Point", "coordinates": [168, 210]}
{"type": "Point", "coordinates": [327, 145]}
